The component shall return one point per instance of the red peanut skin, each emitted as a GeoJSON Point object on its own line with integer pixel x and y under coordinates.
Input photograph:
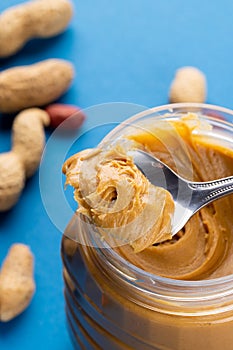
{"type": "Point", "coordinates": [59, 113]}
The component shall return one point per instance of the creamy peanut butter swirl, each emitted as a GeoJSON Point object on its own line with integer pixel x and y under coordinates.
{"type": "Point", "coordinates": [118, 198]}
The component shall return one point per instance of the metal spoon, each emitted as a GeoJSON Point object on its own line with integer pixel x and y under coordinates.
{"type": "Point", "coordinates": [188, 196]}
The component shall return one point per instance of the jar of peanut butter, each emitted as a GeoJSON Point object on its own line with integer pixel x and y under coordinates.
{"type": "Point", "coordinates": [173, 295]}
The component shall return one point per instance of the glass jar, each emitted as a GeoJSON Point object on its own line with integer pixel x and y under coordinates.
{"type": "Point", "coordinates": [112, 304]}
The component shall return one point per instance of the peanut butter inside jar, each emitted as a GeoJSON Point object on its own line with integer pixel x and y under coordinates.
{"type": "Point", "coordinates": [172, 293]}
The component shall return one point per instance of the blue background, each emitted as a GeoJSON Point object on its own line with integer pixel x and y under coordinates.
{"type": "Point", "coordinates": [123, 51]}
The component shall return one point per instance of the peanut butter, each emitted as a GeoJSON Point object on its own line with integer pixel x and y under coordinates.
{"type": "Point", "coordinates": [119, 199]}
{"type": "Point", "coordinates": [204, 247]}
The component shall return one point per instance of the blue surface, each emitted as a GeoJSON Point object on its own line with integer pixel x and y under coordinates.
{"type": "Point", "coordinates": [123, 51]}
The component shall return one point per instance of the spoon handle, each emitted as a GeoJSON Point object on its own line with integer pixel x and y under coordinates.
{"type": "Point", "coordinates": [206, 192]}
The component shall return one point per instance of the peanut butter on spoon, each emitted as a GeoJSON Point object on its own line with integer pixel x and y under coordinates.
{"type": "Point", "coordinates": [118, 198]}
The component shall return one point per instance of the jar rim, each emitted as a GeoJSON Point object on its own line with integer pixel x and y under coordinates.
{"type": "Point", "coordinates": [175, 108]}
